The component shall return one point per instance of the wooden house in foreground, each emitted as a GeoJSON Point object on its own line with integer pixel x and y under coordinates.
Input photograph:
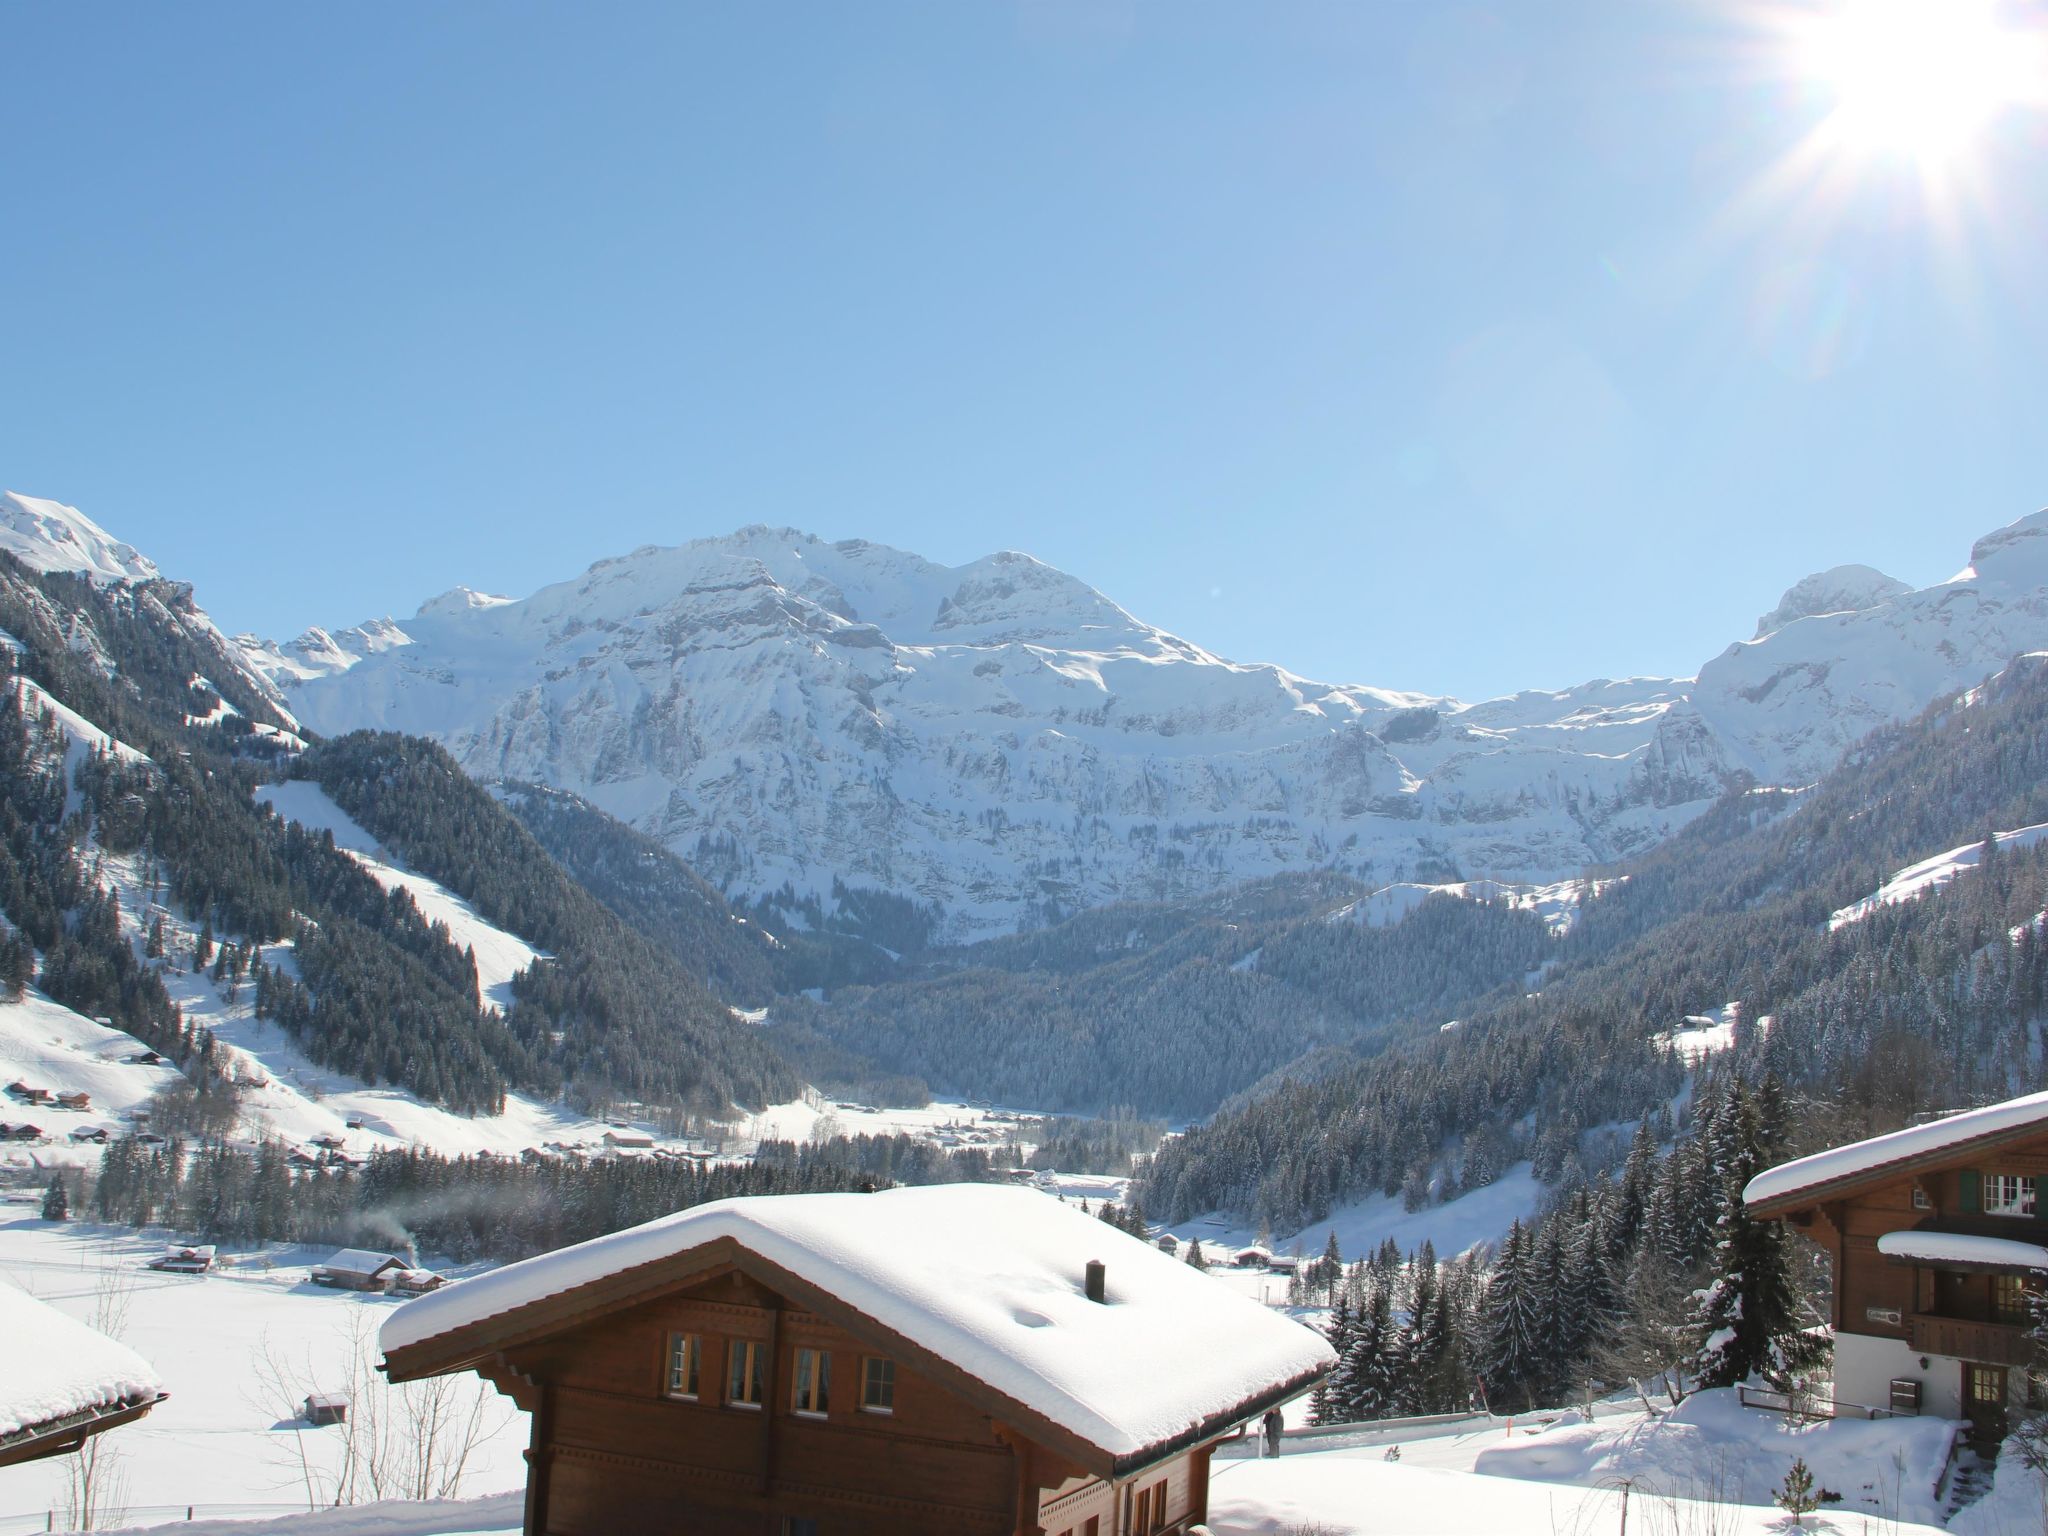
{"type": "Point", "coordinates": [961, 1360]}
{"type": "Point", "coordinates": [1939, 1236]}
{"type": "Point", "coordinates": [61, 1382]}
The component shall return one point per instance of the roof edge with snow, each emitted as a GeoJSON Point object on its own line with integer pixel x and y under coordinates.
{"type": "Point", "coordinates": [1067, 1401]}
{"type": "Point", "coordinates": [1844, 1170]}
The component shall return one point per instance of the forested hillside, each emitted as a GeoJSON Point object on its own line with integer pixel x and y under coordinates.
{"type": "Point", "coordinates": [1921, 1005]}
{"type": "Point", "coordinates": [610, 1010]}
{"type": "Point", "coordinates": [1187, 1015]}
{"type": "Point", "coordinates": [131, 735]}
{"type": "Point", "coordinates": [654, 891]}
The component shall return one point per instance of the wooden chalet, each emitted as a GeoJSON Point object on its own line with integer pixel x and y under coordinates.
{"type": "Point", "coordinates": [959, 1360]}
{"type": "Point", "coordinates": [63, 1382]}
{"type": "Point", "coordinates": [1939, 1237]}
{"type": "Point", "coordinates": [75, 1099]}
{"type": "Point", "coordinates": [358, 1269]}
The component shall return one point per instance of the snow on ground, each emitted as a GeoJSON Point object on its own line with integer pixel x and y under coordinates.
{"type": "Point", "coordinates": [951, 1123]}
{"type": "Point", "coordinates": [499, 955]}
{"type": "Point", "coordinates": [1480, 1216]}
{"type": "Point", "coordinates": [1933, 873]}
{"type": "Point", "coordinates": [1557, 904]}
{"type": "Point", "coordinates": [224, 1440]}
{"type": "Point", "coordinates": [80, 734]}
{"type": "Point", "coordinates": [1356, 1492]}
{"type": "Point", "coordinates": [46, 1045]}
{"type": "Point", "coordinates": [2017, 1504]}
{"type": "Point", "coordinates": [1887, 1468]}
{"type": "Point", "coordinates": [1705, 1034]}
{"type": "Point", "coordinates": [501, 1515]}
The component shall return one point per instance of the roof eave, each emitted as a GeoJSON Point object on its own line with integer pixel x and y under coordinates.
{"type": "Point", "coordinates": [57, 1437]}
{"type": "Point", "coordinates": [1844, 1185]}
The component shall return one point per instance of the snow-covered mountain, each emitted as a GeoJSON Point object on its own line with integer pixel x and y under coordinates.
{"type": "Point", "coordinates": [999, 739]}
{"type": "Point", "coordinates": [50, 537]}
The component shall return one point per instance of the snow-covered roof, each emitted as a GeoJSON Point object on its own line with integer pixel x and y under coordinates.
{"type": "Point", "coordinates": [1963, 1248]}
{"type": "Point", "coordinates": [1840, 1164]}
{"type": "Point", "coordinates": [52, 1366]}
{"type": "Point", "coordinates": [360, 1261]}
{"type": "Point", "coordinates": [989, 1279]}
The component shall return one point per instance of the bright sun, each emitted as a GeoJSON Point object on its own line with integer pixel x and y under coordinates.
{"type": "Point", "coordinates": [1918, 77]}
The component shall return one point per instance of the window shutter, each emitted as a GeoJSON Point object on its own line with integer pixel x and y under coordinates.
{"type": "Point", "coordinates": [1972, 1181]}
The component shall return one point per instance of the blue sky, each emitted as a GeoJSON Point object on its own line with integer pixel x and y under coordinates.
{"type": "Point", "coordinates": [1455, 347]}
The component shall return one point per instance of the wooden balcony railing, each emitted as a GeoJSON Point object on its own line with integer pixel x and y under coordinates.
{"type": "Point", "coordinates": [1989, 1343]}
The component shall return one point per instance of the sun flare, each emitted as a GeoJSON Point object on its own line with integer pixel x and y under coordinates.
{"type": "Point", "coordinates": [1917, 77]}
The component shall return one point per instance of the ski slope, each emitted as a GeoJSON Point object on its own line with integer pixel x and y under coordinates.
{"type": "Point", "coordinates": [500, 955]}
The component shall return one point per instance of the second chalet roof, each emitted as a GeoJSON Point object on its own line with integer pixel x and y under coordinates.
{"type": "Point", "coordinates": [987, 1278]}
{"type": "Point", "coordinates": [359, 1261]}
{"type": "Point", "coordinates": [1841, 1166]}
{"type": "Point", "coordinates": [53, 1366]}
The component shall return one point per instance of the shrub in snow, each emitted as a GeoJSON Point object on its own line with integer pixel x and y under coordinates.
{"type": "Point", "coordinates": [1795, 1495]}
{"type": "Point", "coordinates": [56, 1203]}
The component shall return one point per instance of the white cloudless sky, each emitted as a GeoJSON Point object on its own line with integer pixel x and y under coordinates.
{"type": "Point", "coordinates": [1432, 345]}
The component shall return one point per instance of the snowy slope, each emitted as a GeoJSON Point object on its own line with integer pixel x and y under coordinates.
{"type": "Point", "coordinates": [499, 955]}
{"type": "Point", "coordinates": [49, 536]}
{"type": "Point", "coordinates": [1790, 702]}
{"type": "Point", "coordinates": [1933, 873]}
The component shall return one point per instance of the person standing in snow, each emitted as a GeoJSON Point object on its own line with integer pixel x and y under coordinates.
{"type": "Point", "coordinates": [1272, 1425]}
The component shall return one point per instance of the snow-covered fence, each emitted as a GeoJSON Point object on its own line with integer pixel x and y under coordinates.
{"type": "Point", "coordinates": [1427, 1426]}
{"type": "Point", "coordinates": [1801, 1406]}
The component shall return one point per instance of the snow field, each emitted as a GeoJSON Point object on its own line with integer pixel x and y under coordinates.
{"type": "Point", "coordinates": [226, 1437]}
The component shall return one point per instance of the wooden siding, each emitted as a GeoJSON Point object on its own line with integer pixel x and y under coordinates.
{"type": "Point", "coordinates": [620, 1454]}
{"type": "Point", "coordinates": [1933, 1310]}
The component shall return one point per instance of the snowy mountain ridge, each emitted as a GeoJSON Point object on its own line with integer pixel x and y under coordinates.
{"type": "Point", "coordinates": [1001, 743]}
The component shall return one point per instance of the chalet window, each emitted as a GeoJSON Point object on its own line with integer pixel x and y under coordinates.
{"type": "Point", "coordinates": [813, 1382]}
{"type": "Point", "coordinates": [2009, 1299]}
{"type": "Point", "coordinates": [2008, 1194]}
{"type": "Point", "coordinates": [878, 1385]}
{"type": "Point", "coordinates": [1158, 1507]}
{"type": "Point", "coordinates": [1920, 1200]}
{"type": "Point", "coordinates": [685, 1364]}
{"type": "Point", "coordinates": [799, 1525]}
{"type": "Point", "coordinates": [743, 1374]}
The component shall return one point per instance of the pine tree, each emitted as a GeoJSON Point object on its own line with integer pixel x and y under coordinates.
{"type": "Point", "coordinates": [1512, 1349]}
{"type": "Point", "coordinates": [1196, 1260]}
{"type": "Point", "coordinates": [1370, 1370]}
{"type": "Point", "coordinates": [56, 1202]}
{"type": "Point", "coordinates": [1747, 1319]}
{"type": "Point", "coordinates": [1324, 1407]}
{"type": "Point", "coordinates": [1796, 1495]}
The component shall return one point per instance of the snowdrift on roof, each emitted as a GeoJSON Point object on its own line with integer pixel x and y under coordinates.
{"type": "Point", "coordinates": [987, 1278]}
{"type": "Point", "coordinates": [1861, 1157]}
{"type": "Point", "coordinates": [51, 1366]}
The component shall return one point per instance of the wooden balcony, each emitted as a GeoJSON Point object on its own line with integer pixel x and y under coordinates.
{"type": "Point", "coordinates": [1986, 1343]}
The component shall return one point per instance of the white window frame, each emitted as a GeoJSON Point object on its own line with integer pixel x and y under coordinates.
{"type": "Point", "coordinates": [2008, 1194]}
